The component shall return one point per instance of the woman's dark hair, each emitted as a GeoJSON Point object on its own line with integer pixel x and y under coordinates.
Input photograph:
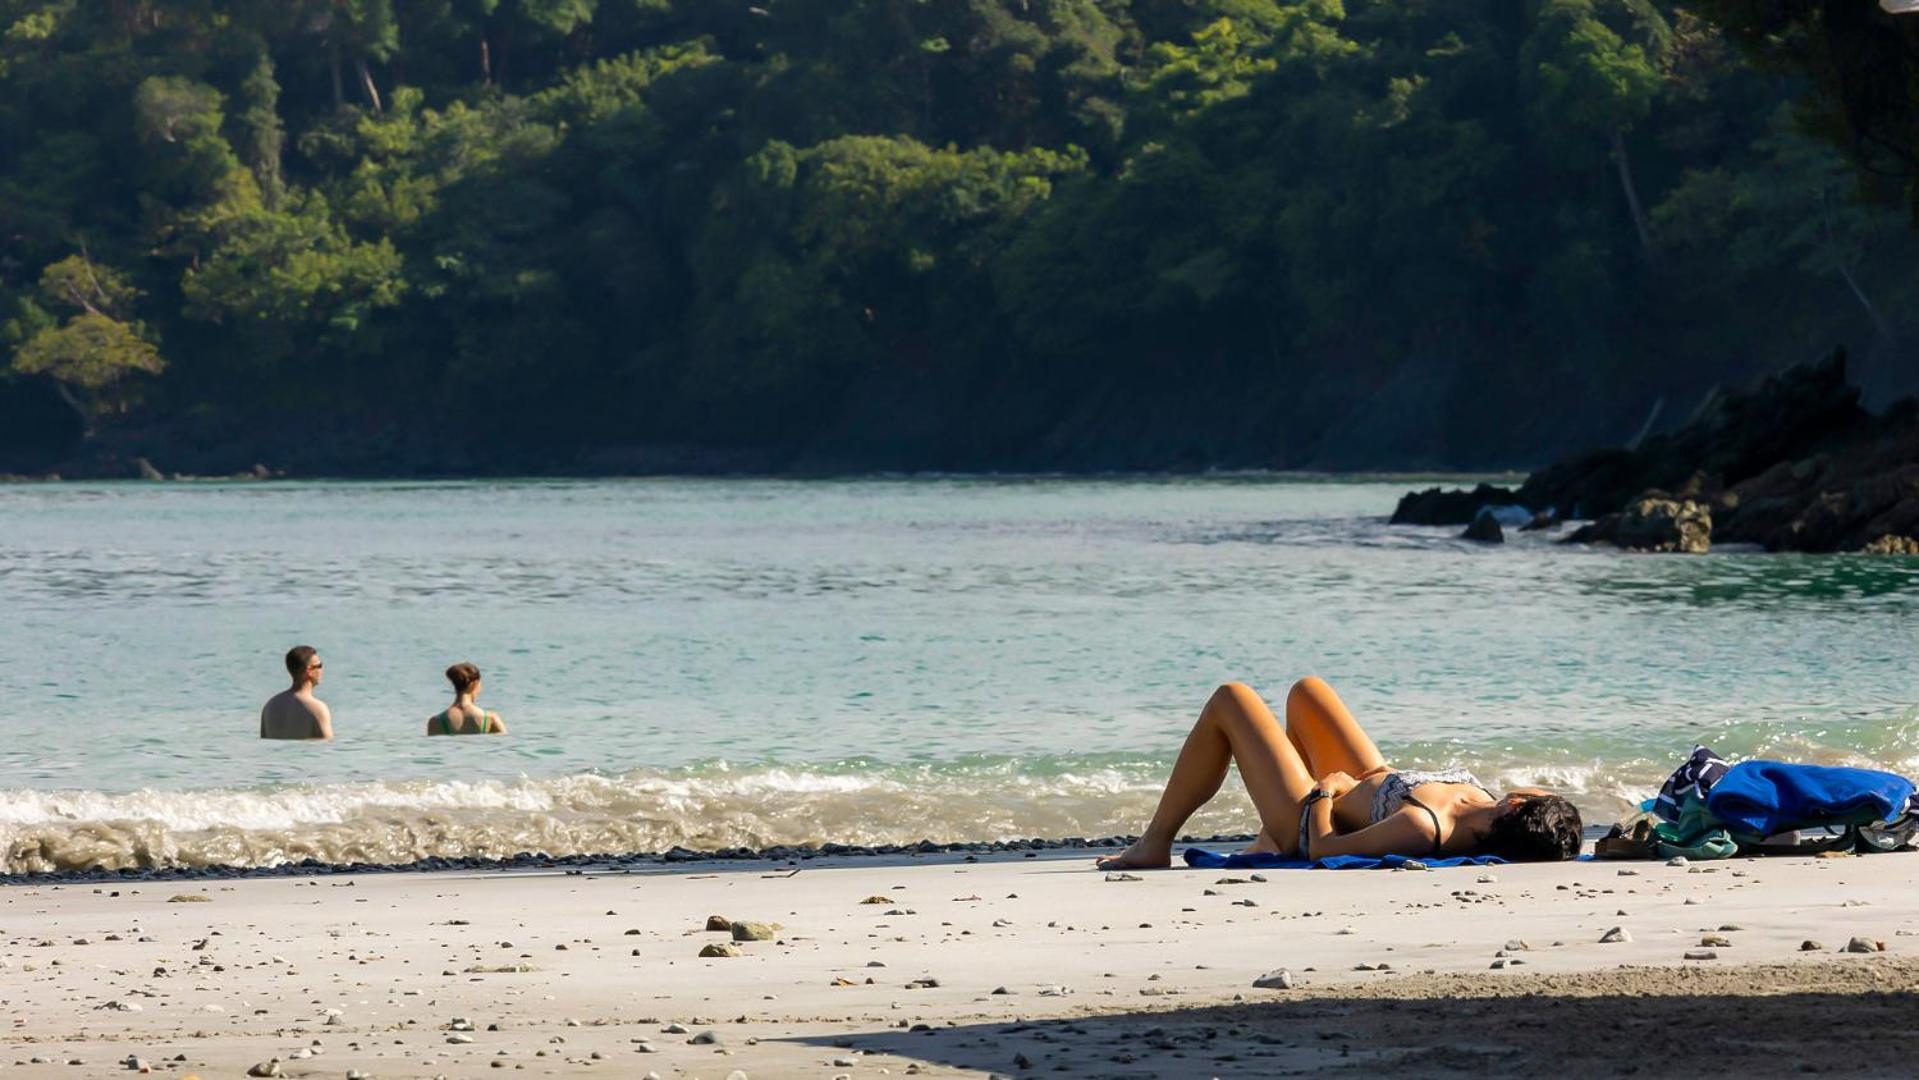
{"type": "Point", "coordinates": [462, 676]}
{"type": "Point", "coordinates": [1541, 828]}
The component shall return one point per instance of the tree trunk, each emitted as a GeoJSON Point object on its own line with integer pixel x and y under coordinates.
{"type": "Point", "coordinates": [79, 408]}
{"type": "Point", "coordinates": [1859, 294]}
{"type": "Point", "coordinates": [486, 62]}
{"type": "Point", "coordinates": [1624, 165]}
{"type": "Point", "coordinates": [333, 64]}
{"type": "Point", "coordinates": [367, 84]}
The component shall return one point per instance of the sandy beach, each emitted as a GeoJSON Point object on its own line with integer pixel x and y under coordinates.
{"type": "Point", "coordinates": [939, 966]}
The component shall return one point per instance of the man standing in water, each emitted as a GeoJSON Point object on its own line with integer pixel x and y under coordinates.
{"type": "Point", "coordinates": [295, 713]}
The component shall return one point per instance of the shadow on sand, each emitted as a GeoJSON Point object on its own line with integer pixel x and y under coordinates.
{"type": "Point", "coordinates": [1845, 1018]}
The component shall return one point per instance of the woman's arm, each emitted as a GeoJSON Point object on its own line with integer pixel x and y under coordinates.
{"type": "Point", "coordinates": [499, 725]}
{"type": "Point", "coordinates": [1404, 833]}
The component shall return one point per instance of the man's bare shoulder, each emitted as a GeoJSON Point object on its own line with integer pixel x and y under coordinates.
{"type": "Point", "coordinates": [291, 715]}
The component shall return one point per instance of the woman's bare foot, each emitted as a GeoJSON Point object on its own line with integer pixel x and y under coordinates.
{"type": "Point", "coordinates": [1262, 845]}
{"type": "Point", "coordinates": [1141, 856]}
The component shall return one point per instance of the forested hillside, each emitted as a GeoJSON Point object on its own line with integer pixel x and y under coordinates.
{"type": "Point", "coordinates": [404, 236]}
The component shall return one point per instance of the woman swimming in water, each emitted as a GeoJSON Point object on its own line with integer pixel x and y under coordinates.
{"type": "Point", "coordinates": [1358, 806]}
{"type": "Point", "coordinates": [464, 717]}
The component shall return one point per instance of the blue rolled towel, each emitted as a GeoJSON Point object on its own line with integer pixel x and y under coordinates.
{"type": "Point", "coordinates": [1761, 798]}
{"type": "Point", "coordinates": [1203, 859]}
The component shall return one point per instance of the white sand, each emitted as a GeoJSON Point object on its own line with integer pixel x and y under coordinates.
{"type": "Point", "coordinates": [616, 954]}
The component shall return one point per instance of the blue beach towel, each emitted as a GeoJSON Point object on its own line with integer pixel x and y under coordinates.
{"type": "Point", "coordinates": [1761, 798]}
{"type": "Point", "coordinates": [1202, 859]}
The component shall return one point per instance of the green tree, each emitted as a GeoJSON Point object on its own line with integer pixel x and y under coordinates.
{"type": "Point", "coordinates": [92, 354]}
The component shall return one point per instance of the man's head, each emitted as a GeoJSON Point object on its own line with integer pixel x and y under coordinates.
{"type": "Point", "coordinates": [303, 663]}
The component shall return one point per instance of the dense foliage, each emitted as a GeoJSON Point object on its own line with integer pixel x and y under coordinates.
{"type": "Point", "coordinates": [343, 235]}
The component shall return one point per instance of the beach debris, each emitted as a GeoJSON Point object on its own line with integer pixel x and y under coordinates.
{"type": "Point", "coordinates": [1614, 936]}
{"type": "Point", "coordinates": [709, 1037]}
{"type": "Point", "coordinates": [1124, 877]}
{"type": "Point", "coordinates": [1277, 979]}
{"type": "Point", "coordinates": [1701, 954]}
{"type": "Point", "coordinates": [720, 949]}
{"type": "Point", "coordinates": [459, 1038]}
{"type": "Point", "coordinates": [1865, 945]}
{"type": "Point", "coordinates": [1716, 941]}
{"type": "Point", "coordinates": [715, 923]}
{"type": "Point", "coordinates": [1625, 871]}
{"type": "Point", "coordinates": [1809, 945]}
{"type": "Point", "coordinates": [269, 1067]}
{"type": "Point", "coordinates": [1230, 881]}
{"type": "Point", "coordinates": [923, 983]}
{"type": "Point", "coordinates": [119, 1006]}
{"type": "Point", "coordinates": [459, 1023]}
{"type": "Point", "coordinates": [136, 1064]}
{"type": "Point", "coordinates": [674, 1029]}
{"type": "Point", "coordinates": [755, 931]}
{"type": "Point", "coordinates": [1677, 860]}
{"type": "Point", "coordinates": [1412, 864]}
{"type": "Point", "coordinates": [191, 898]}
{"type": "Point", "coordinates": [1261, 878]}
{"type": "Point", "coordinates": [1001, 991]}
{"type": "Point", "coordinates": [1486, 879]}
{"type": "Point", "coordinates": [1054, 991]}
{"type": "Point", "coordinates": [1248, 902]}
{"type": "Point", "coordinates": [737, 1074]}
{"type": "Point", "coordinates": [882, 899]}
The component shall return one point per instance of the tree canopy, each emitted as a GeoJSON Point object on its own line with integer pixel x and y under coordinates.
{"type": "Point", "coordinates": [351, 235]}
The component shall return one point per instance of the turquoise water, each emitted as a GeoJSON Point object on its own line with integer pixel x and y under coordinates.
{"type": "Point", "coordinates": [758, 661]}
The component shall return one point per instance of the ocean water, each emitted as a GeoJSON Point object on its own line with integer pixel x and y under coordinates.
{"type": "Point", "coordinates": [748, 662]}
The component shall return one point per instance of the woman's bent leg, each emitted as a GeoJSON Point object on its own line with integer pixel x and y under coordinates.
{"type": "Point", "coordinates": [1328, 737]}
{"type": "Point", "coordinates": [1235, 726]}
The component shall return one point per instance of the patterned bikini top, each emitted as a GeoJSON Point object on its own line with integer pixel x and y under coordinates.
{"type": "Point", "coordinates": [1397, 788]}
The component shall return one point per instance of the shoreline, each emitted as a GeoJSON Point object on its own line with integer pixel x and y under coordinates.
{"type": "Point", "coordinates": [606, 861]}
{"type": "Point", "coordinates": [937, 966]}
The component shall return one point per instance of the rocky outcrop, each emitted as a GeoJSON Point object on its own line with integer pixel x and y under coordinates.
{"type": "Point", "coordinates": [1731, 439]}
{"type": "Point", "coordinates": [1485, 529]}
{"type": "Point", "coordinates": [1793, 465]}
{"type": "Point", "coordinates": [1654, 522]}
{"type": "Point", "coordinates": [1435, 506]}
{"type": "Point", "coordinates": [1892, 545]}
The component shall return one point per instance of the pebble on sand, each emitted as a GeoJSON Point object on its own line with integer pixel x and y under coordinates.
{"type": "Point", "coordinates": [718, 923]}
{"type": "Point", "coordinates": [1865, 945]}
{"type": "Point", "coordinates": [755, 931]}
{"type": "Point", "coordinates": [1701, 954]}
{"type": "Point", "coordinates": [1279, 979]}
{"type": "Point", "coordinates": [1810, 945]}
{"type": "Point", "coordinates": [1615, 935]}
{"type": "Point", "coordinates": [721, 949]}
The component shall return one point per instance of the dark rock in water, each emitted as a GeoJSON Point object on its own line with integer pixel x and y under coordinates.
{"type": "Point", "coordinates": [1542, 520]}
{"type": "Point", "coordinates": [1654, 522]}
{"type": "Point", "coordinates": [1438, 507]}
{"type": "Point", "coordinates": [1485, 529]}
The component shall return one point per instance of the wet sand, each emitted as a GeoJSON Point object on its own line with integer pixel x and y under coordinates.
{"type": "Point", "coordinates": [1006, 965]}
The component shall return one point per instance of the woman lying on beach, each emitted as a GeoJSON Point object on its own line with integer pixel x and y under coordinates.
{"type": "Point", "coordinates": [1358, 806]}
{"type": "Point", "coordinates": [464, 717]}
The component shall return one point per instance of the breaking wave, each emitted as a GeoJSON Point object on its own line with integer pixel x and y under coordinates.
{"type": "Point", "coordinates": [717, 805]}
